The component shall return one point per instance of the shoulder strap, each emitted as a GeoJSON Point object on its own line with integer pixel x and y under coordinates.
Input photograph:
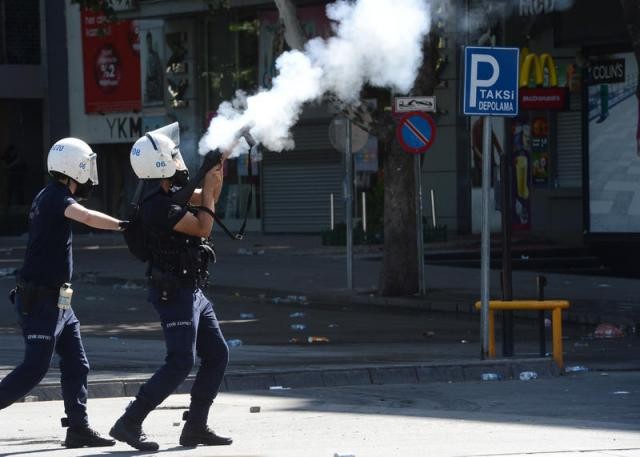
{"type": "Point", "coordinates": [135, 202]}
{"type": "Point", "coordinates": [240, 234]}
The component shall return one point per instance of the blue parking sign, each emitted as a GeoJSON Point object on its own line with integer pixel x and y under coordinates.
{"type": "Point", "coordinates": [491, 81]}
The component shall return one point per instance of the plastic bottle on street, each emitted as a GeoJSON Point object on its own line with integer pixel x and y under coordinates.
{"type": "Point", "coordinates": [297, 326]}
{"type": "Point", "coordinates": [234, 343]}
{"type": "Point", "coordinates": [528, 375]}
{"type": "Point", "coordinates": [247, 316]}
{"type": "Point", "coordinates": [490, 377]}
{"type": "Point", "coordinates": [576, 369]}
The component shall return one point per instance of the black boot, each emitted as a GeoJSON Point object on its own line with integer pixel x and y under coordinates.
{"type": "Point", "coordinates": [85, 437]}
{"type": "Point", "coordinates": [192, 435]}
{"type": "Point", "coordinates": [131, 433]}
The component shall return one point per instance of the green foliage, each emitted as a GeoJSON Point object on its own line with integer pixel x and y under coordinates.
{"type": "Point", "coordinates": [215, 5]}
{"type": "Point", "coordinates": [338, 236]}
{"type": "Point", "coordinates": [245, 26]}
{"type": "Point", "coordinates": [431, 233]}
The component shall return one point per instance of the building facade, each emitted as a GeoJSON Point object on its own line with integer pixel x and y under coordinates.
{"type": "Point", "coordinates": [573, 149]}
{"type": "Point", "coordinates": [32, 108]}
{"type": "Point", "coordinates": [193, 56]}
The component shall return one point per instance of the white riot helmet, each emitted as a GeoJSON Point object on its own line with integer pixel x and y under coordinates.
{"type": "Point", "coordinates": [74, 158]}
{"type": "Point", "coordinates": [156, 154]}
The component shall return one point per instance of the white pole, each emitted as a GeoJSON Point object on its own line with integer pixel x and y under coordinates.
{"type": "Point", "coordinates": [419, 228]}
{"type": "Point", "coordinates": [364, 213]}
{"type": "Point", "coordinates": [348, 159]}
{"type": "Point", "coordinates": [332, 217]}
{"type": "Point", "coordinates": [433, 209]}
{"type": "Point", "coordinates": [486, 240]}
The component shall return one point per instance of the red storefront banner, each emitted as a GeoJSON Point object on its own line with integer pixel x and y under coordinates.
{"type": "Point", "coordinates": [544, 98]}
{"type": "Point", "coordinates": [111, 56]}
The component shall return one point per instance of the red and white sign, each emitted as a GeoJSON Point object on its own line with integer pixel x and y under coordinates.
{"type": "Point", "coordinates": [416, 132]}
{"type": "Point", "coordinates": [111, 56]}
{"type": "Point", "coordinates": [544, 98]}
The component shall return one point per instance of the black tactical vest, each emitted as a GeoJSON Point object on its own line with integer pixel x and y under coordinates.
{"type": "Point", "coordinates": [175, 255]}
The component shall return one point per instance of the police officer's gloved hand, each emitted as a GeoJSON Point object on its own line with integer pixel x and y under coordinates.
{"type": "Point", "coordinates": [212, 159]}
{"type": "Point", "coordinates": [123, 225]}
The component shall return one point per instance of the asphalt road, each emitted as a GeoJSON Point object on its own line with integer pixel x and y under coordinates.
{"type": "Point", "coordinates": [587, 414]}
{"type": "Point", "coordinates": [119, 310]}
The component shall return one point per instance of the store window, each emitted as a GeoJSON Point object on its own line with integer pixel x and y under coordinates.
{"type": "Point", "coordinates": [22, 161]}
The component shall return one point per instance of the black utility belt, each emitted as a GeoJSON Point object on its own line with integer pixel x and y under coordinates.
{"type": "Point", "coordinates": [31, 295]}
{"type": "Point", "coordinates": [176, 283]}
{"type": "Point", "coordinates": [37, 291]}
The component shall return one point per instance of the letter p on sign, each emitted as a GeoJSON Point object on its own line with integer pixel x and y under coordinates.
{"type": "Point", "coordinates": [476, 82]}
{"type": "Point", "coordinates": [491, 81]}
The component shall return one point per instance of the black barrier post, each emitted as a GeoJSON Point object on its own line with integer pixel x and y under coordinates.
{"type": "Point", "coordinates": [541, 282]}
{"type": "Point", "coordinates": [507, 286]}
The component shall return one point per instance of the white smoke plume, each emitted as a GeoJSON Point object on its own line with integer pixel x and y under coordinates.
{"type": "Point", "coordinates": [376, 42]}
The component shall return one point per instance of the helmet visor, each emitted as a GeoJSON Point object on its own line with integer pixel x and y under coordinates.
{"type": "Point", "coordinates": [93, 169]}
{"type": "Point", "coordinates": [172, 131]}
{"type": "Point", "coordinates": [177, 158]}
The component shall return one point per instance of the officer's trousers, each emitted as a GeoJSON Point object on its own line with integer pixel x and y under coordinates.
{"type": "Point", "coordinates": [190, 328]}
{"type": "Point", "coordinates": [47, 328]}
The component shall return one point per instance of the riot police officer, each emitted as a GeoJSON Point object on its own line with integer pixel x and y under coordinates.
{"type": "Point", "coordinates": [180, 253]}
{"type": "Point", "coordinates": [42, 298]}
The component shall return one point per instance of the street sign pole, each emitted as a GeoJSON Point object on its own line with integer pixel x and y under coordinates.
{"type": "Point", "coordinates": [486, 236]}
{"type": "Point", "coordinates": [507, 284]}
{"type": "Point", "coordinates": [349, 204]}
{"type": "Point", "coordinates": [419, 228]}
{"type": "Point", "coordinates": [490, 89]}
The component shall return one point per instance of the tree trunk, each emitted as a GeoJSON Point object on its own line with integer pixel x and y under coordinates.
{"type": "Point", "coordinates": [399, 275]}
{"type": "Point", "coordinates": [293, 33]}
{"type": "Point", "coordinates": [370, 120]}
{"type": "Point", "coordinates": [400, 272]}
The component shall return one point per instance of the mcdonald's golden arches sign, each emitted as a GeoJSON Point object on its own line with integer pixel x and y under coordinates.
{"type": "Point", "coordinates": [539, 83]}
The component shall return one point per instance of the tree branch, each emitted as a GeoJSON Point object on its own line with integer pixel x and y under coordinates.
{"type": "Point", "coordinates": [373, 121]}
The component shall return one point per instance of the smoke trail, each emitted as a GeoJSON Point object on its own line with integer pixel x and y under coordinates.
{"type": "Point", "coordinates": [377, 42]}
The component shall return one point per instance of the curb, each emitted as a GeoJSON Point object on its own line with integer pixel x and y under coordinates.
{"type": "Point", "coordinates": [322, 377]}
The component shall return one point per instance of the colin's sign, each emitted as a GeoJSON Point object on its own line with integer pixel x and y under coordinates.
{"type": "Point", "coordinates": [607, 72]}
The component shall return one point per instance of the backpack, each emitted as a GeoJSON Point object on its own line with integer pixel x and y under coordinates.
{"type": "Point", "coordinates": [135, 235]}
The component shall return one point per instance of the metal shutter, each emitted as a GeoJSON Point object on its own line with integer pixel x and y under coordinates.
{"type": "Point", "coordinates": [569, 141]}
{"type": "Point", "coordinates": [297, 184]}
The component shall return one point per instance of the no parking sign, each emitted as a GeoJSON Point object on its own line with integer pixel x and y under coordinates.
{"type": "Point", "coordinates": [416, 132]}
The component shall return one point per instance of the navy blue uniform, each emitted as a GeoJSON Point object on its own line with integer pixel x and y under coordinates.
{"type": "Point", "coordinates": [188, 319]}
{"type": "Point", "coordinates": [46, 328]}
